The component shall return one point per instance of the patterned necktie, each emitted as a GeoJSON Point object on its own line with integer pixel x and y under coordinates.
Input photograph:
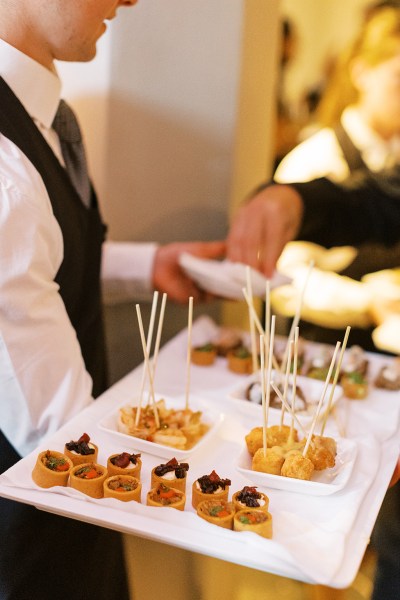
{"type": "Point", "coordinates": [66, 126]}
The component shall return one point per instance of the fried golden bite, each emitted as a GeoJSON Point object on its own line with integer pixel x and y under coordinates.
{"type": "Point", "coordinates": [283, 454]}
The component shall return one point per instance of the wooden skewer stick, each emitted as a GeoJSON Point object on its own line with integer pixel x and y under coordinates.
{"type": "Point", "coordinates": [147, 363]}
{"type": "Point", "coordinates": [148, 346]}
{"type": "Point", "coordinates": [159, 332]}
{"type": "Point", "coordinates": [297, 315]}
{"type": "Point", "coordinates": [335, 379]}
{"type": "Point", "coordinates": [251, 320]}
{"type": "Point", "coordinates": [318, 409]}
{"type": "Point", "coordinates": [287, 407]}
{"type": "Point", "coordinates": [294, 381]}
{"type": "Point", "coordinates": [269, 366]}
{"type": "Point", "coordinates": [189, 350]}
{"type": "Point", "coordinates": [286, 382]}
{"type": "Point", "coordinates": [263, 386]}
{"type": "Point", "coordinates": [267, 316]}
{"type": "Point", "coordinates": [260, 328]}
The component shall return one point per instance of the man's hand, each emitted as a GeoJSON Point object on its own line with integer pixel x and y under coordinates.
{"type": "Point", "coordinates": [168, 276]}
{"type": "Point", "coordinates": [263, 226]}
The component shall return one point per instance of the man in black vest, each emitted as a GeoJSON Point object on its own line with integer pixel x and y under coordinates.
{"type": "Point", "coordinates": [51, 335]}
{"type": "Point", "coordinates": [329, 214]}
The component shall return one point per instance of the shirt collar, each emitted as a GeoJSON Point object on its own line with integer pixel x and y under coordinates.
{"type": "Point", "coordinates": [37, 88]}
{"type": "Point", "coordinates": [377, 152]}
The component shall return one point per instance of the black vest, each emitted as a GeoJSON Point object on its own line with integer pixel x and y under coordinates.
{"type": "Point", "coordinates": [83, 234]}
{"type": "Point", "coordinates": [371, 256]}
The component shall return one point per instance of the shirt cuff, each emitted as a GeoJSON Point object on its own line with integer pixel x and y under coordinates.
{"type": "Point", "coordinates": [126, 271]}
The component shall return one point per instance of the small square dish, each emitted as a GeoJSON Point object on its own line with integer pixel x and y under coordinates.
{"type": "Point", "coordinates": [322, 483]}
{"type": "Point", "coordinates": [209, 420]}
{"type": "Point", "coordinates": [310, 389]}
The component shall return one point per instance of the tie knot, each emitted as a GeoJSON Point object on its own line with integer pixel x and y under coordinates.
{"type": "Point", "coordinates": [66, 125]}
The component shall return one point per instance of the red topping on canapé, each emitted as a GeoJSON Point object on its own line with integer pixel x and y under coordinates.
{"type": "Point", "coordinates": [124, 459]}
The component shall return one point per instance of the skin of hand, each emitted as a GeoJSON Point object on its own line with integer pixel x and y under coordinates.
{"type": "Point", "coordinates": [396, 475]}
{"type": "Point", "coordinates": [169, 277]}
{"type": "Point", "coordinates": [263, 226]}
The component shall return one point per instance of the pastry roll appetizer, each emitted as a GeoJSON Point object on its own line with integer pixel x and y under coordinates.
{"type": "Point", "coordinates": [257, 521]}
{"type": "Point", "coordinates": [269, 462]}
{"type": "Point", "coordinates": [163, 495]}
{"type": "Point", "coordinates": [249, 498]}
{"type": "Point", "coordinates": [51, 468]}
{"type": "Point", "coordinates": [388, 377]}
{"type": "Point", "coordinates": [124, 464]}
{"type": "Point", "coordinates": [240, 361]}
{"type": "Point", "coordinates": [204, 356]}
{"type": "Point", "coordinates": [217, 512]}
{"type": "Point", "coordinates": [123, 487]}
{"type": "Point", "coordinates": [210, 486]}
{"type": "Point", "coordinates": [82, 450]}
{"type": "Point", "coordinates": [88, 479]}
{"type": "Point", "coordinates": [297, 466]}
{"type": "Point", "coordinates": [172, 474]}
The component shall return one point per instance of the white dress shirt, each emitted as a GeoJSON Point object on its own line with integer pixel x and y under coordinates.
{"type": "Point", "coordinates": [320, 155]}
{"type": "Point", "coordinates": [43, 380]}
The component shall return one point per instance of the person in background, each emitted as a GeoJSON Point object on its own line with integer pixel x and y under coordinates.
{"type": "Point", "coordinates": [52, 360]}
{"type": "Point", "coordinates": [359, 116]}
{"type": "Point", "coordinates": [288, 125]}
{"type": "Point", "coordinates": [370, 211]}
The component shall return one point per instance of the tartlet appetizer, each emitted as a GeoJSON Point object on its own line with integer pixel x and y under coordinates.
{"type": "Point", "coordinates": [210, 486]}
{"type": "Point", "coordinates": [51, 468]}
{"type": "Point", "coordinates": [248, 498]}
{"type": "Point", "coordinates": [355, 385]}
{"type": "Point", "coordinates": [122, 487]}
{"type": "Point", "coordinates": [204, 356]}
{"type": "Point", "coordinates": [318, 366]}
{"type": "Point", "coordinates": [257, 521]}
{"type": "Point", "coordinates": [88, 478]}
{"type": "Point", "coordinates": [82, 450]}
{"type": "Point", "coordinates": [353, 378]}
{"type": "Point", "coordinates": [227, 340]}
{"type": "Point", "coordinates": [163, 495]}
{"type": "Point", "coordinates": [172, 474]}
{"type": "Point", "coordinates": [217, 512]}
{"type": "Point", "coordinates": [240, 361]}
{"type": "Point", "coordinates": [124, 464]}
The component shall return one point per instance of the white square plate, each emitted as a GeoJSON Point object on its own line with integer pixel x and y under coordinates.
{"type": "Point", "coordinates": [322, 483]}
{"type": "Point", "coordinates": [109, 424]}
